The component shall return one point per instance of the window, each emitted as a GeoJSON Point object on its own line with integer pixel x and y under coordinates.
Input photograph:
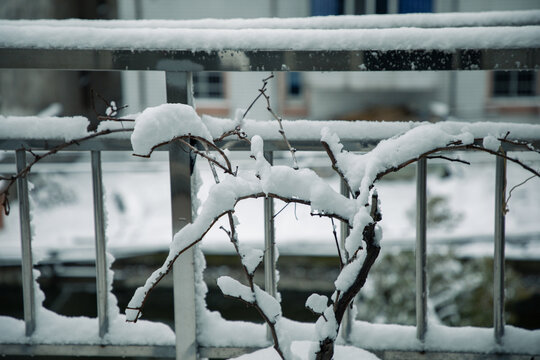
{"type": "Point", "coordinates": [415, 6]}
{"type": "Point", "coordinates": [381, 6]}
{"type": "Point", "coordinates": [208, 85]}
{"type": "Point", "coordinates": [514, 83]}
{"type": "Point", "coordinates": [391, 6]}
{"type": "Point", "coordinates": [327, 7]}
{"type": "Point", "coordinates": [294, 84]}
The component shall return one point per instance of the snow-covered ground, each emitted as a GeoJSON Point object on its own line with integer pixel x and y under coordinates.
{"type": "Point", "coordinates": [137, 203]}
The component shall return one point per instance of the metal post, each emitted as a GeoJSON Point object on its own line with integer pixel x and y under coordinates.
{"type": "Point", "coordinates": [421, 278]}
{"type": "Point", "coordinates": [179, 90]}
{"type": "Point", "coordinates": [101, 247]}
{"type": "Point", "coordinates": [346, 324]}
{"type": "Point", "coordinates": [270, 284]}
{"type": "Point", "coordinates": [29, 301]}
{"type": "Point", "coordinates": [498, 258]}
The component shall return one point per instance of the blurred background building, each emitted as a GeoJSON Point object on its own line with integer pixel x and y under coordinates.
{"type": "Point", "coordinates": [395, 96]}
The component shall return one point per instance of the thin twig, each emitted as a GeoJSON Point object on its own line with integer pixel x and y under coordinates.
{"type": "Point", "coordinates": [237, 131]}
{"type": "Point", "coordinates": [336, 168]}
{"type": "Point", "coordinates": [506, 210]}
{"type": "Point", "coordinates": [249, 276]}
{"type": "Point", "coordinates": [283, 208]}
{"type": "Point", "coordinates": [337, 244]}
{"type": "Point", "coordinates": [206, 143]}
{"type": "Point", "coordinates": [168, 266]}
{"type": "Point", "coordinates": [448, 158]}
{"type": "Point", "coordinates": [453, 148]}
{"type": "Point", "coordinates": [261, 91]}
{"type": "Point", "coordinates": [529, 146]}
{"type": "Point", "coordinates": [112, 118]}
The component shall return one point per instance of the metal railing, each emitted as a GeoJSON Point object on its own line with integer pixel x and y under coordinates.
{"type": "Point", "coordinates": [179, 65]}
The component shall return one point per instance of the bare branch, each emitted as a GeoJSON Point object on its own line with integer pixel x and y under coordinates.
{"type": "Point", "coordinates": [261, 91]}
{"type": "Point", "coordinates": [249, 277]}
{"type": "Point", "coordinates": [453, 147]}
{"type": "Point", "coordinates": [529, 146]}
{"type": "Point", "coordinates": [448, 158]}
{"type": "Point", "coordinates": [207, 144]}
{"type": "Point", "coordinates": [283, 208]}
{"type": "Point", "coordinates": [336, 168]}
{"type": "Point", "coordinates": [504, 156]}
{"type": "Point", "coordinates": [168, 266]}
{"type": "Point", "coordinates": [112, 118]}
{"type": "Point", "coordinates": [24, 172]}
{"type": "Point", "coordinates": [236, 131]}
{"type": "Point", "coordinates": [337, 244]}
{"type": "Point", "coordinates": [506, 210]}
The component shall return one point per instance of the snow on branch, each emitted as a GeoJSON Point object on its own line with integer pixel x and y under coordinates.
{"type": "Point", "coordinates": [180, 123]}
{"type": "Point", "coordinates": [303, 186]}
{"type": "Point", "coordinates": [282, 182]}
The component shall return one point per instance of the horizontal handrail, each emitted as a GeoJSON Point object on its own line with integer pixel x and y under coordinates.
{"type": "Point", "coordinates": [471, 41]}
{"type": "Point", "coordinates": [414, 59]}
{"type": "Point", "coordinates": [303, 134]}
{"type": "Point", "coordinates": [112, 144]}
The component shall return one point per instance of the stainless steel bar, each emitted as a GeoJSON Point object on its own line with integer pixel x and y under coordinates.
{"type": "Point", "coordinates": [270, 60]}
{"type": "Point", "coordinates": [82, 351]}
{"type": "Point", "coordinates": [270, 284]}
{"type": "Point", "coordinates": [101, 247]}
{"type": "Point", "coordinates": [498, 257]}
{"type": "Point", "coordinates": [116, 144]}
{"type": "Point", "coordinates": [347, 322]}
{"type": "Point", "coordinates": [421, 278]}
{"type": "Point", "coordinates": [179, 90]}
{"type": "Point", "coordinates": [29, 300]}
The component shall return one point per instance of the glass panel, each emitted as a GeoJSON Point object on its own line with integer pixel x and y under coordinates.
{"type": "Point", "coordinates": [381, 7]}
{"type": "Point", "coordinates": [501, 83]}
{"type": "Point", "coordinates": [294, 84]}
{"type": "Point", "coordinates": [208, 85]}
{"type": "Point", "coordinates": [326, 7]}
{"type": "Point", "coordinates": [526, 83]}
{"type": "Point", "coordinates": [415, 6]}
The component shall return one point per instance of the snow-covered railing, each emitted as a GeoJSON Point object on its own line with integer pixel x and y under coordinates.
{"type": "Point", "coordinates": [499, 40]}
{"type": "Point", "coordinates": [434, 42]}
{"type": "Point", "coordinates": [117, 338]}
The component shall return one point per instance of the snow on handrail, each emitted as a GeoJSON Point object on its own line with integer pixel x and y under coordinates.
{"type": "Point", "coordinates": [69, 128]}
{"type": "Point", "coordinates": [37, 36]}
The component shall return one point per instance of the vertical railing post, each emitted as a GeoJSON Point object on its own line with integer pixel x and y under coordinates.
{"type": "Point", "coordinates": [29, 301]}
{"type": "Point", "coordinates": [498, 258]}
{"type": "Point", "coordinates": [346, 324]}
{"type": "Point", "coordinates": [270, 284]}
{"type": "Point", "coordinates": [101, 247]}
{"type": "Point", "coordinates": [421, 276]}
{"type": "Point", "coordinates": [179, 90]}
